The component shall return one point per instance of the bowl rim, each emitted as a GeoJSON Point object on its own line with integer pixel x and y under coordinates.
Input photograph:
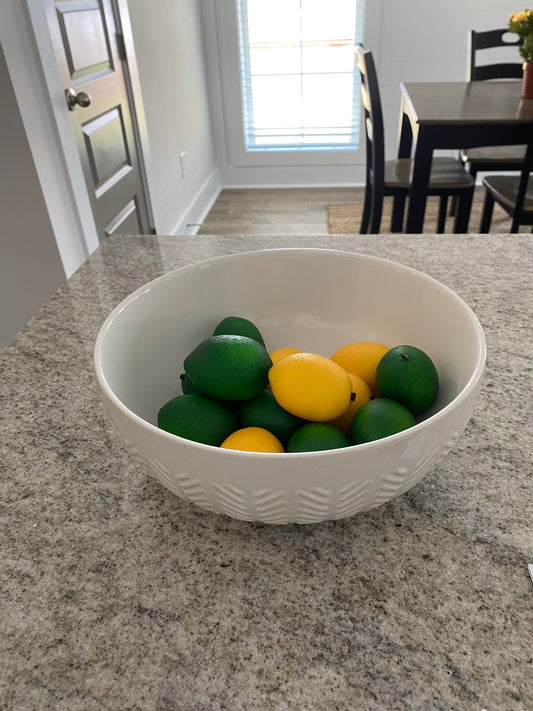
{"type": "Point", "coordinates": [417, 427]}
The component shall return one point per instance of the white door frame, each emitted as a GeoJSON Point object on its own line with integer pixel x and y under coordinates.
{"type": "Point", "coordinates": [64, 136]}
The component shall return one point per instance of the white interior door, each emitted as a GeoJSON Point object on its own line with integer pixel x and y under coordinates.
{"type": "Point", "coordinates": [90, 52]}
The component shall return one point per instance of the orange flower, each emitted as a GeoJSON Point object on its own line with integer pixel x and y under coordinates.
{"type": "Point", "coordinates": [521, 23]}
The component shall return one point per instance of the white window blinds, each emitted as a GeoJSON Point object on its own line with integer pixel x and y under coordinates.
{"type": "Point", "coordinates": [299, 87]}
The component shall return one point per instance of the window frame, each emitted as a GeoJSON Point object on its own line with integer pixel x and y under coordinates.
{"type": "Point", "coordinates": [236, 153]}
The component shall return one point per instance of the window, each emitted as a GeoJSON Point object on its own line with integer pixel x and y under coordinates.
{"type": "Point", "coordinates": [298, 85]}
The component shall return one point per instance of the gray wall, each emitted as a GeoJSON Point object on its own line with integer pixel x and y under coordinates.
{"type": "Point", "coordinates": [30, 266]}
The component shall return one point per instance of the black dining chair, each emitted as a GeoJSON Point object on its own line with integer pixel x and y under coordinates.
{"type": "Point", "coordinates": [511, 192]}
{"type": "Point", "coordinates": [501, 158]}
{"type": "Point", "coordinates": [392, 178]}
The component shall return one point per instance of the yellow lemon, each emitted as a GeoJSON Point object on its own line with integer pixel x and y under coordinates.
{"type": "Point", "coordinates": [361, 359]}
{"type": "Point", "coordinates": [281, 353]}
{"type": "Point", "coordinates": [362, 395]}
{"type": "Point", "coordinates": [253, 439]}
{"type": "Point", "coordinates": [311, 386]}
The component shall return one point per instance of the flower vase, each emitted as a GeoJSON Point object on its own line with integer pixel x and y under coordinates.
{"type": "Point", "coordinates": [527, 80]}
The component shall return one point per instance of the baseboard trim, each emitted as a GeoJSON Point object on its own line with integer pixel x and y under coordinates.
{"type": "Point", "coordinates": [191, 221]}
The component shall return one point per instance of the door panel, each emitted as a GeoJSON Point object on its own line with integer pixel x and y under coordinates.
{"type": "Point", "coordinates": [126, 221]}
{"type": "Point", "coordinates": [107, 149]}
{"type": "Point", "coordinates": [88, 52]}
{"type": "Point", "coordinates": [91, 57]}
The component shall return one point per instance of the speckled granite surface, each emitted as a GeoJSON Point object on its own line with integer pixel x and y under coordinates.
{"type": "Point", "coordinates": [116, 594]}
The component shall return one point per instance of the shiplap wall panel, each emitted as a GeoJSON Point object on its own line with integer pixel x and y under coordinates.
{"type": "Point", "coordinates": [427, 41]}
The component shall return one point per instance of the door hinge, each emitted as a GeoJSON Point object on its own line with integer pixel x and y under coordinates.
{"type": "Point", "coordinates": [121, 45]}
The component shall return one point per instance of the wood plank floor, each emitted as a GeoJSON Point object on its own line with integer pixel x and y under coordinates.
{"type": "Point", "coordinates": [278, 211]}
{"type": "Point", "coordinates": [275, 211]}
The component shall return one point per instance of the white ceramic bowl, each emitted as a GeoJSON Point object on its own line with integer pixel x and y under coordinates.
{"type": "Point", "coordinates": [312, 299]}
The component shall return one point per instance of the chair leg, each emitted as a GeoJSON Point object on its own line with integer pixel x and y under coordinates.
{"type": "Point", "coordinates": [398, 212]}
{"type": "Point", "coordinates": [441, 222]}
{"type": "Point", "coordinates": [515, 224]}
{"type": "Point", "coordinates": [462, 216]}
{"type": "Point", "coordinates": [486, 215]}
{"type": "Point", "coordinates": [455, 198]}
{"type": "Point", "coordinates": [375, 217]}
{"type": "Point", "coordinates": [365, 218]}
{"type": "Point", "coordinates": [453, 205]}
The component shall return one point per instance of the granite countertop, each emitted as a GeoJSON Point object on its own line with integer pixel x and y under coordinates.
{"type": "Point", "coordinates": [117, 594]}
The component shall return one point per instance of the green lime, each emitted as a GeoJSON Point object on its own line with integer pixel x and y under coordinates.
{"type": "Point", "coordinates": [187, 386]}
{"type": "Point", "coordinates": [198, 418]}
{"type": "Point", "coordinates": [229, 367]}
{"type": "Point", "coordinates": [407, 374]}
{"type": "Point", "coordinates": [379, 418]}
{"type": "Point", "coordinates": [315, 437]}
{"type": "Point", "coordinates": [264, 411]}
{"type": "Point", "coordinates": [238, 326]}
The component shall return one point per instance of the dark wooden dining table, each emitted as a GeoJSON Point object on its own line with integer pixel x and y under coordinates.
{"type": "Point", "coordinates": [455, 115]}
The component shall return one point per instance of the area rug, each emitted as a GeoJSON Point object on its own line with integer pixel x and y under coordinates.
{"type": "Point", "coordinates": [346, 219]}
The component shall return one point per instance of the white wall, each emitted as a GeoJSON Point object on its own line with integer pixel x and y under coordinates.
{"type": "Point", "coordinates": [412, 40]}
{"type": "Point", "coordinates": [168, 44]}
{"type": "Point", "coordinates": [425, 40]}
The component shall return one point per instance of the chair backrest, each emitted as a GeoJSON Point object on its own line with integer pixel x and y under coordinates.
{"type": "Point", "coordinates": [373, 116]}
{"type": "Point", "coordinates": [491, 39]}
